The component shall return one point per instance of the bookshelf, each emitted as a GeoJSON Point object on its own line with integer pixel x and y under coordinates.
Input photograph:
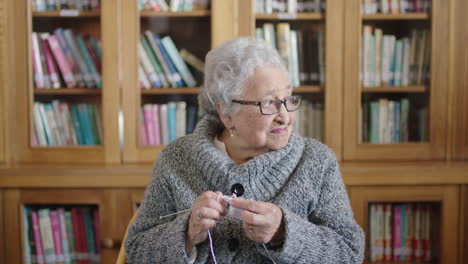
{"type": "Point", "coordinates": [328, 92]}
{"type": "Point", "coordinates": [431, 96]}
{"type": "Point", "coordinates": [444, 199]}
{"type": "Point", "coordinates": [203, 33]}
{"type": "Point", "coordinates": [106, 98]}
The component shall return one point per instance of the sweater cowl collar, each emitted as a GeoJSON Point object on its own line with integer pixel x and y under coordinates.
{"type": "Point", "coordinates": [262, 177]}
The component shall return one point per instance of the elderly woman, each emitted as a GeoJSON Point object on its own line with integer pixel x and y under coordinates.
{"type": "Point", "coordinates": [294, 207]}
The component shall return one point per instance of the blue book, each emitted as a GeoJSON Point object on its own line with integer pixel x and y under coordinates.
{"type": "Point", "coordinates": [396, 122]}
{"type": "Point", "coordinates": [89, 233]}
{"type": "Point", "coordinates": [76, 123]}
{"type": "Point", "coordinates": [404, 222]}
{"type": "Point", "coordinates": [176, 76]}
{"type": "Point", "coordinates": [93, 124]}
{"type": "Point", "coordinates": [173, 53]}
{"type": "Point", "coordinates": [172, 122]}
{"type": "Point", "coordinates": [374, 122]}
{"type": "Point", "coordinates": [191, 118]}
{"type": "Point", "coordinates": [85, 124]}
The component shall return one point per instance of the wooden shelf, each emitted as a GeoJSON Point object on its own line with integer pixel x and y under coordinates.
{"type": "Point", "coordinates": [199, 13]}
{"type": "Point", "coordinates": [69, 148]}
{"type": "Point", "coordinates": [184, 90]}
{"type": "Point", "coordinates": [308, 89]}
{"type": "Point", "coordinates": [408, 16]}
{"type": "Point", "coordinates": [69, 91]}
{"type": "Point", "coordinates": [288, 16]}
{"type": "Point", "coordinates": [389, 89]}
{"type": "Point", "coordinates": [67, 13]}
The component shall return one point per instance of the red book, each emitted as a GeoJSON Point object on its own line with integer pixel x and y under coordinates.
{"type": "Point", "coordinates": [77, 235]}
{"type": "Point", "coordinates": [92, 54]}
{"type": "Point", "coordinates": [83, 240]}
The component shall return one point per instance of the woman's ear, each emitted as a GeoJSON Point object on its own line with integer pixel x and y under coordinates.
{"type": "Point", "coordinates": [226, 119]}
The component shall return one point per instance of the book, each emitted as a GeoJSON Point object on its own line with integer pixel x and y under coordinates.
{"type": "Point", "coordinates": [37, 238]}
{"type": "Point", "coordinates": [54, 220]}
{"type": "Point", "coordinates": [172, 120]}
{"type": "Point", "coordinates": [192, 60]}
{"type": "Point", "coordinates": [174, 55]}
{"type": "Point", "coordinates": [28, 237]}
{"type": "Point", "coordinates": [47, 235]}
{"type": "Point", "coordinates": [63, 236]}
{"type": "Point", "coordinates": [163, 118]}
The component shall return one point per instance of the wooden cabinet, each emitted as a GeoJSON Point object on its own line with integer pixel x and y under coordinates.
{"type": "Point", "coordinates": [106, 200]}
{"type": "Point", "coordinates": [445, 198]}
{"type": "Point", "coordinates": [430, 96]}
{"type": "Point", "coordinates": [102, 25]}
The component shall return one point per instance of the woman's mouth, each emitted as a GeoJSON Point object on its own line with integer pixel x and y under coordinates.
{"type": "Point", "coordinates": [279, 130]}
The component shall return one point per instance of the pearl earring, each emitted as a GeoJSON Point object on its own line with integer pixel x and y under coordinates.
{"type": "Point", "coordinates": [231, 132]}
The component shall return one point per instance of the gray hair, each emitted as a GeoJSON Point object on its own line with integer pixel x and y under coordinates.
{"type": "Point", "coordinates": [228, 66]}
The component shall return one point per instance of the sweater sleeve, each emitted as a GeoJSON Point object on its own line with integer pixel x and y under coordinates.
{"type": "Point", "coordinates": [330, 235]}
{"type": "Point", "coordinates": [154, 240]}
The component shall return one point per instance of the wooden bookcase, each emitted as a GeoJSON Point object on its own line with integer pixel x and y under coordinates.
{"type": "Point", "coordinates": [102, 23]}
{"type": "Point", "coordinates": [206, 31]}
{"type": "Point", "coordinates": [331, 92]}
{"type": "Point", "coordinates": [446, 197]}
{"type": "Point", "coordinates": [434, 94]}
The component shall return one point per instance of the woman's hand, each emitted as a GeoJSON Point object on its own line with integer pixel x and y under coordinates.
{"type": "Point", "coordinates": [262, 222]}
{"type": "Point", "coordinates": [206, 211]}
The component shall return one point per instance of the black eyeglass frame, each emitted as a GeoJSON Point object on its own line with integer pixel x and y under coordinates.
{"type": "Point", "coordinates": [259, 104]}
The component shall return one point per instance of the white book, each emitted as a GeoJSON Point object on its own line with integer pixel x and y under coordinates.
{"type": "Point", "coordinates": [292, 6]}
{"type": "Point", "coordinates": [268, 6]}
{"type": "Point", "coordinates": [378, 57]}
{"type": "Point", "coordinates": [295, 58]}
{"type": "Point", "coordinates": [147, 66]}
{"type": "Point", "coordinates": [69, 121]}
{"type": "Point", "coordinates": [143, 80]}
{"type": "Point", "coordinates": [269, 34]}
{"type": "Point", "coordinates": [45, 123]}
{"type": "Point", "coordinates": [405, 77]}
{"type": "Point", "coordinates": [366, 42]}
{"type": "Point", "coordinates": [181, 119]}
{"type": "Point", "coordinates": [63, 236]}
{"type": "Point", "coordinates": [53, 124]}
{"type": "Point", "coordinates": [384, 6]}
{"type": "Point", "coordinates": [47, 235]}
{"type": "Point", "coordinates": [391, 54]}
{"type": "Point", "coordinates": [163, 119]}
{"type": "Point", "coordinates": [383, 119]}
{"type": "Point", "coordinates": [62, 136]}
{"type": "Point", "coordinates": [39, 72]}
{"type": "Point", "coordinates": [39, 125]}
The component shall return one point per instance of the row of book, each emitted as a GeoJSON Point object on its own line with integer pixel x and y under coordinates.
{"type": "Point", "coordinates": [395, 6]}
{"type": "Point", "coordinates": [161, 64]}
{"type": "Point", "coordinates": [386, 121]}
{"type": "Point", "coordinates": [62, 124]}
{"type": "Point", "coordinates": [400, 232]}
{"type": "Point", "coordinates": [173, 5]}
{"type": "Point", "coordinates": [54, 5]}
{"type": "Point", "coordinates": [309, 120]}
{"type": "Point", "coordinates": [288, 6]}
{"type": "Point", "coordinates": [66, 58]}
{"type": "Point", "coordinates": [61, 235]}
{"type": "Point", "coordinates": [163, 123]}
{"type": "Point", "coordinates": [388, 61]}
{"type": "Point", "coordinates": [301, 50]}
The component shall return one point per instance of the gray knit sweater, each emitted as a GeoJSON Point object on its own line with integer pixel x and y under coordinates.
{"type": "Point", "coordinates": [302, 178]}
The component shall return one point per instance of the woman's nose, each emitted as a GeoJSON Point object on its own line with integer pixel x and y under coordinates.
{"type": "Point", "coordinates": [282, 115]}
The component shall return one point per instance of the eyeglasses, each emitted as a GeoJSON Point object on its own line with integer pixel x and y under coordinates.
{"type": "Point", "coordinates": [272, 106]}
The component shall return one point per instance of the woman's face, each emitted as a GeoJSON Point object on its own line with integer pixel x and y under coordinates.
{"type": "Point", "coordinates": [252, 129]}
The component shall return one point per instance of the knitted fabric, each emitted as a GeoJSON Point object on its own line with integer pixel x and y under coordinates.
{"type": "Point", "coordinates": [303, 179]}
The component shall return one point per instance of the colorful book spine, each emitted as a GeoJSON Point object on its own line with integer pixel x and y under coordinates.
{"type": "Point", "coordinates": [172, 123]}
{"type": "Point", "coordinates": [63, 236]}
{"type": "Point", "coordinates": [37, 238]}
{"type": "Point", "coordinates": [396, 232]}
{"type": "Point", "coordinates": [27, 238]}
{"type": "Point", "coordinates": [54, 220]}
{"type": "Point", "coordinates": [62, 62]}
{"type": "Point", "coordinates": [70, 236]}
{"type": "Point", "coordinates": [404, 222]}
{"type": "Point", "coordinates": [171, 49]}
{"type": "Point", "coordinates": [89, 62]}
{"type": "Point", "coordinates": [54, 78]}
{"type": "Point", "coordinates": [175, 77]}
{"type": "Point", "coordinates": [38, 71]}
{"type": "Point", "coordinates": [388, 232]}
{"type": "Point", "coordinates": [156, 126]}
{"type": "Point", "coordinates": [149, 126]}
{"type": "Point", "coordinates": [47, 235]}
